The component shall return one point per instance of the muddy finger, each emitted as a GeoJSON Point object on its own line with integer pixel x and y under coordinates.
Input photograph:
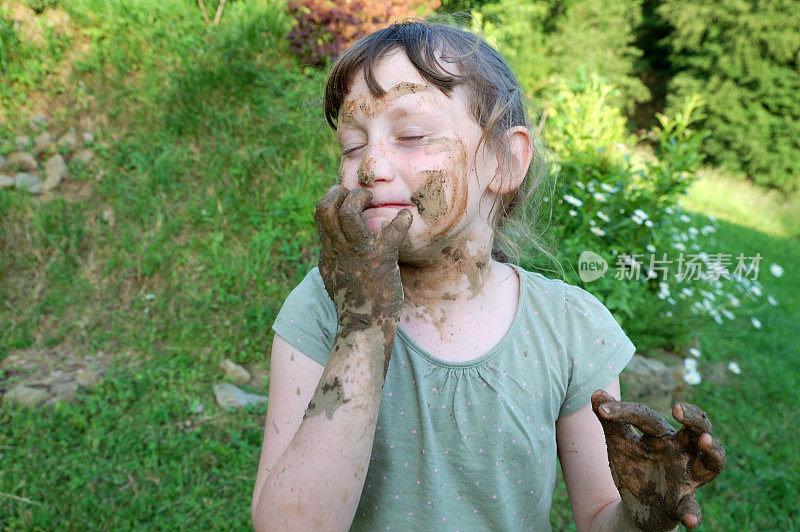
{"type": "Point", "coordinates": [710, 460]}
{"type": "Point", "coordinates": [350, 219]}
{"type": "Point", "coordinates": [397, 229]}
{"type": "Point", "coordinates": [692, 418]}
{"type": "Point", "coordinates": [611, 429]}
{"type": "Point", "coordinates": [640, 416]}
{"type": "Point", "coordinates": [689, 512]}
{"type": "Point", "coordinates": [326, 215]}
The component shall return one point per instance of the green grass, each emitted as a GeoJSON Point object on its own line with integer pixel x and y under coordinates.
{"type": "Point", "coordinates": [214, 153]}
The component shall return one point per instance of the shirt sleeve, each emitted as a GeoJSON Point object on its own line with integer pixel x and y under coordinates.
{"type": "Point", "coordinates": [597, 349]}
{"type": "Point", "coordinates": [308, 319]}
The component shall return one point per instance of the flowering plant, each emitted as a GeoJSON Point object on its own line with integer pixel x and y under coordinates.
{"type": "Point", "coordinates": [619, 200]}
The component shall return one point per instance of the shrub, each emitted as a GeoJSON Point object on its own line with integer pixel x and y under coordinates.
{"type": "Point", "coordinates": [744, 58]}
{"type": "Point", "coordinates": [324, 28]}
{"type": "Point", "coordinates": [548, 42]}
{"type": "Point", "coordinates": [619, 201]}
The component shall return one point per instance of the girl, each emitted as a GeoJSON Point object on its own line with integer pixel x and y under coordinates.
{"type": "Point", "coordinates": [418, 381]}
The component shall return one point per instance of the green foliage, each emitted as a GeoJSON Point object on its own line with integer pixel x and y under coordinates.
{"type": "Point", "coordinates": [621, 203]}
{"type": "Point", "coordinates": [551, 41]}
{"type": "Point", "coordinates": [743, 56]}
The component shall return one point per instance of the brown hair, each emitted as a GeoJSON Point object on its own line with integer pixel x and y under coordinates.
{"type": "Point", "coordinates": [496, 101]}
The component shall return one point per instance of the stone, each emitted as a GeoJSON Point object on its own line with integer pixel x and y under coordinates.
{"type": "Point", "coordinates": [651, 382]}
{"type": "Point", "coordinates": [6, 181]}
{"type": "Point", "coordinates": [55, 170]}
{"type": "Point", "coordinates": [24, 160]}
{"type": "Point", "coordinates": [68, 141]}
{"type": "Point", "coordinates": [21, 143]}
{"type": "Point", "coordinates": [37, 119]}
{"type": "Point", "coordinates": [63, 391]}
{"type": "Point", "coordinates": [29, 182]}
{"type": "Point", "coordinates": [109, 217]}
{"type": "Point", "coordinates": [26, 396]}
{"type": "Point", "coordinates": [234, 371]}
{"type": "Point", "coordinates": [88, 378]}
{"type": "Point", "coordinates": [42, 143]}
{"type": "Point", "coordinates": [88, 138]}
{"type": "Point", "coordinates": [230, 396]}
{"type": "Point", "coordinates": [84, 155]}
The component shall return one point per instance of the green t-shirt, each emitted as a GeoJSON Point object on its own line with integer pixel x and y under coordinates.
{"type": "Point", "coordinates": [469, 446]}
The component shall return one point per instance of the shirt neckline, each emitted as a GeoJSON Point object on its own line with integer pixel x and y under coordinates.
{"type": "Point", "coordinates": [485, 358]}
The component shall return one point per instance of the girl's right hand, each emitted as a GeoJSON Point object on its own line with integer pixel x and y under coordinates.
{"type": "Point", "coordinates": [360, 268]}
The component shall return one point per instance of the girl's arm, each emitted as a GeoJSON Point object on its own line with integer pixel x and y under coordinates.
{"type": "Point", "coordinates": [314, 478]}
{"type": "Point", "coordinates": [313, 466]}
{"type": "Point", "coordinates": [593, 496]}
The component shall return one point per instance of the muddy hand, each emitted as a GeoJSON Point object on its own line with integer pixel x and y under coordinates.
{"type": "Point", "coordinates": [658, 473]}
{"type": "Point", "coordinates": [360, 268]}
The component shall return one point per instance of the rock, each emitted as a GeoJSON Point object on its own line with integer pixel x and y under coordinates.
{"type": "Point", "coordinates": [26, 396]}
{"type": "Point", "coordinates": [651, 382]}
{"type": "Point", "coordinates": [21, 143]}
{"type": "Point", "coordinates": [24, 160]}
{"type": "Point", "coordinates": [37, 119]}
{"type": "Point", "coordinates": [234, 371]}
{"type": "Point", "coordinates": [6, 181]}
{"type": "Point", "coordinates": [84, 155]}
{"type": "Point", "coordinates": [63, 391]}
{"type": "Point", "coordinates": [88, 138]}
{"type": "Point", "coordinates": [68, 141]}
{"type": "Point", "coordinates": [55, 171]}
{"type": "Point", "coordinates": [109, 218]}
{"type": "Point", "coordinates": [42, 143]}
{"type": "Point", "coordinates": [88, 378]}
{"type": "Point", "coordinates": [230, 396]}
{"type": "Point", "coordinates": [29, 182]}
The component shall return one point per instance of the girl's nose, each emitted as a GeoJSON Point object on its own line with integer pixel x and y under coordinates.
{"type": "Point", "coordinates": [375, 166]}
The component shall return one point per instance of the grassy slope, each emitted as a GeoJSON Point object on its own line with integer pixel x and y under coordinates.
{"type": "Point", "coordinates": [213, 181]}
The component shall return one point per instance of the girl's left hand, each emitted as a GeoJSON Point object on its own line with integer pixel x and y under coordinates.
{"type": "Point", "coordinates": [658, 473]}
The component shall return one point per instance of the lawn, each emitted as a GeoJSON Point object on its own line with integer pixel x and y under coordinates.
{"type": "Point", "coordinates": [211, 153]}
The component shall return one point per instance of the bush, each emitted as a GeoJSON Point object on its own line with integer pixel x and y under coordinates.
{"type": "Point", "coordinates": [744, 58]}
{"type": "Point", "coordinates": [548, 42]}
{"type": "Point", "coordinates": [620, 202]}
{"type": "Point", "coordinates": [324, 28]}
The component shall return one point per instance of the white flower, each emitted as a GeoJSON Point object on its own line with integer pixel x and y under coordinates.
{"type": "Point", "coordinates": [599, 196]}
{"type": "Point", "coordinates": [149, 297]}
{"type": "Point", "coordinates": [717, 317]}
{"type": "Point", "coordinates": [694, 352]}
{"type": "Point", "coordinates": [603, 216]}
{"type": "Point", "coordinates": [668, 314]}
{"type": "Point", "coordinates": [608, 188]}
{"type": "Point", "coordinates": [692, 377]}
{"type": "Point", "coordinates": [772, 301]}
{"type": "Point", "coordinates": [679, 246]}
{"type": "Point", "coordinates": [756, 290]}
{"type": "Point", "coordinates": [637, 220]}
{"type": "Point", "coordinates": [651, 248]}
{"type": "Point", "coordinates": [580, 185]}
{"type": "Point", "coordinates": [688, 292]}
{"type": "Point", "coordinates": [728, 314]}
{"type": "Point", "coordinates": [641, 214]}
{"type": "Point", "coordinates": [693, 231]}
{"type": "Point", "coordinates": [596, 230]}
{"type": "Point", "coordinates": [572, 200]}
{"type": "Point", "coordinates": [690, 364]}
{"type": "Point", "coordinates": [684, 218]}
{"type": "Point", "coordinates": [648, 223]}
{"type": "Point", "coordinates": [706, 229]}
{"type": "Point", "coordinates": [756, 323]}
{"type": "Point", "coordinates": [734, 368]}
{"type": "Point", "coordinates": [775, 270]}
{"type": "Point", "coordinates": [711, 218]}
{"type": "Point", "coordinates": [573, 212]}
{"type": "Point", "coordinates": [669, 210]}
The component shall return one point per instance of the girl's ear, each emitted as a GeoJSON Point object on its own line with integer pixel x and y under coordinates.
{"type": "Point", "coordinates": [512, 165]}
